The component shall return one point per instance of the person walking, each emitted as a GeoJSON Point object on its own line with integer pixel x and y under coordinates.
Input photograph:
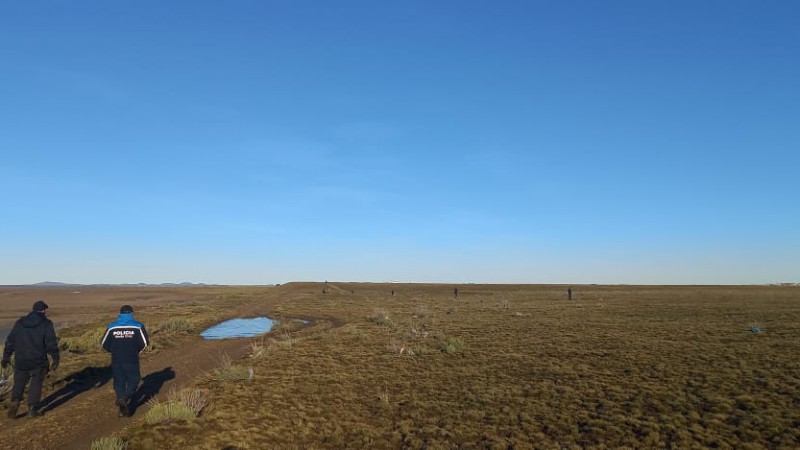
{"type": "Point", "coordinates": [30, 341]}
{"type": "Point", "coordinates": [125, 338]}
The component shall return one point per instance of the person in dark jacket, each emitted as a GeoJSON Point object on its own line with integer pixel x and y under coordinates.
{"type": "Point", "coordinates": [30, 341]}
{"type": "Point", "coordinates": [125, 338]}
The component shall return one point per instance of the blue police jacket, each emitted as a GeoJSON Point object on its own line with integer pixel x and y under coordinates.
{"type": "Point", "coordinates": [125, 338]}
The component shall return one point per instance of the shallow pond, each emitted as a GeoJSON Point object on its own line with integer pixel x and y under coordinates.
{"type": "Point", "coordinates": [237, 328]}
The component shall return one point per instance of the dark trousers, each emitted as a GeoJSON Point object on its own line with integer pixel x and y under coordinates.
{"type": "Point", "coordinates": [126, 379]}
{"type": "Point", "coordinates": [21, 378]}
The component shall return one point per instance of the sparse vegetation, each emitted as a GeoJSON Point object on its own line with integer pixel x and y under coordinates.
{"type": "Point", "coordinates": [644, 368]}
{"type": "Point", "coordinates": [625, 367]}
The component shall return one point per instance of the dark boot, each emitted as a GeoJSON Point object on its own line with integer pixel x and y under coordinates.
{"type": "Point", "coordinates": [34, 412]}
{"type": "Point", "coordinates": [13, 407]}
{"type": "Point", "coordinates": [122, 404]}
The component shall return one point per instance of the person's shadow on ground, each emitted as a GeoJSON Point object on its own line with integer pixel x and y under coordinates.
{"type": "Point", "coordinates": [151, 385]}
{"type": "Point", "coordinates": [76, 383]}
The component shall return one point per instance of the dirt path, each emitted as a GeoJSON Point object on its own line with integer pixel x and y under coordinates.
{"type": "Point", "coordinates": [88, 413]}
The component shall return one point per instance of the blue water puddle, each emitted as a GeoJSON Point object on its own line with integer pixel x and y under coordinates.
{"type": "Point", "coordinates": [238, 328]}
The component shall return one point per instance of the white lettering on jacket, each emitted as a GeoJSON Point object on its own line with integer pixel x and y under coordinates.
{"type": "Point", "coordinates": [123, 333]}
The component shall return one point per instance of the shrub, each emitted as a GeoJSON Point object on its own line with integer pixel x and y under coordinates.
{"type": "Point", "coordinates": [109, 443]}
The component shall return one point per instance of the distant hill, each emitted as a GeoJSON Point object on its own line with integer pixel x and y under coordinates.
{"type": "Point", "coordinates": [58, 283]}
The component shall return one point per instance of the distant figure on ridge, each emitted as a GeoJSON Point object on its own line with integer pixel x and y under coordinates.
{"type": "Point", "coordinates": [30, 341]}
{"type": "Point", "coordinates": [455, 292]}
{"type": "Point", "coordinates": [569, 293]}
{"type": "Point", "coordinates": [125, 338]}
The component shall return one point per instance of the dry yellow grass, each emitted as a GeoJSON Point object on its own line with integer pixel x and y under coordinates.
{"type": "Point", "coordinates": [636, 367]}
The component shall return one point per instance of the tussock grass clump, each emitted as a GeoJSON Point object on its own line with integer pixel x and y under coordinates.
{"type": "Point", "coordinates": [285, 343]}
{"type": "Point", "coordinates": [168, 412]}
{"type": "Point", "coordinates": [287, 325]}
{"type": "Point", "coordinates": [383, 397]}
{"type": "Point", "coordinates": [421, 317]}
{"type": "Point", "coordinates": [452, 345]}
{"type": "Point", "coordinates": [195, 399]}
{"type": "Point", "coordinates": [234, 373]}
{"type": "Point", "coordinates": [227, 371]}
{"type": "Point", "coordinates": [258, 349]}
{"type": "Point", "coordinates": [182, 405]}
{"type": "Point", "coordinates": [380, 317]}
{"type": "Point", "coordinates": [109, 443]}
{"type": "Point", "coordinates": [399, 347]}
{"type": "Point", "coordinates": [175, 325]}
{"type": "Point", "coordinates": [503, 305]}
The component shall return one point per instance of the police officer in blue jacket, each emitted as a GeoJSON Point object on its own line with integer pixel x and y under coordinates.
{"type": "Point", "coordinates": [125, 338]}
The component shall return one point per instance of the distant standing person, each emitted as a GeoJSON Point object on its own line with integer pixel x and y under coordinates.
{"type": "Point", "coordinates": [569, 293]}
{"type": "Point", "coordinates": [455, 292]}
{"type": "Point", "coordinates": [125, 338]}
{"type": "Point", "coordinates": [31, 340]}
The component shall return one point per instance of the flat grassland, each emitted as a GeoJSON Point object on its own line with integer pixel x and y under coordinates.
{"type": "Point", "coordinates": [501, 366]}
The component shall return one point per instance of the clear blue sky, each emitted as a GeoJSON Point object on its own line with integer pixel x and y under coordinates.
{"type": "Point", "coordinates": [253, 142]}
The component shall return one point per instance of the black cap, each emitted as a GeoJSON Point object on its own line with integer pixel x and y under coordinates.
{"type": "Point", "coordinates": [40, 305]}
{"type": "Point", "coordinates": [127, 309]}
